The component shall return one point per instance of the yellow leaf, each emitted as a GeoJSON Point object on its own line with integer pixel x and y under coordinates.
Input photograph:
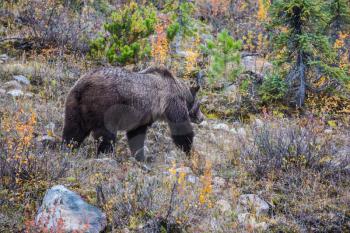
{"type": "Point", "coordinates": [332, 124]}
{"type": "Point", "coordinates": [326, 159]}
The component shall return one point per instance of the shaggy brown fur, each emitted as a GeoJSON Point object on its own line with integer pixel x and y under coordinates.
{"type": "Point", "coordinates": [110, 99]}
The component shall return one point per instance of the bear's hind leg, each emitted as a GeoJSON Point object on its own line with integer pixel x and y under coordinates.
{"type": "Point", "coordinates": [108, 140]}
{"type": "Point", "coordinates": [136, 140]}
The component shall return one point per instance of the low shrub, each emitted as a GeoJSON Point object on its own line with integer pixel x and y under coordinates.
{"type": "Point", "coordinates": [293, 146]}
{"type": "Point", "coordinates": [273, 89]}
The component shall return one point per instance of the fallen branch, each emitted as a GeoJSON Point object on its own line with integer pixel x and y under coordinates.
{"type": "Point", "coordinates": [246, 54]}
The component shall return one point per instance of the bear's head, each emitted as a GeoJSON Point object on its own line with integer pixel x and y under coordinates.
{"type": "Point", "coordinates": [193, 106]}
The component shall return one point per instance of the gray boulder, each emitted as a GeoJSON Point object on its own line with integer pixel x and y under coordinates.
{"type": "Point", "coordinates": [65, 210]}
{"type": "Point", "coordinates": [248, 201]}
{"type": "Point", "coordinates": [15, 92]}
{"type": "Point", "coordinates": [257, 65]}
{"type": "Point", "coordinates": [12, 85]}
{"type": "Point", "coordinates": [21, 79]}
{"type": "Point", "coordinates": [3, 58]}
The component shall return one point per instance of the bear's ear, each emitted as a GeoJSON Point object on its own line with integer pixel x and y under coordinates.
{"type": "Point", "coordinates": [161, 69]}
{"type": "Point", "coordinates": [194, 89]}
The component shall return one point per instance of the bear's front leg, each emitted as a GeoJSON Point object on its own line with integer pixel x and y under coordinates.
{"type": "Point", "coordinates": [184, 142]}
{"type": "Point", "coordinates": [180, 124]}
{"type": "Point", "coordinates": [136, 140]}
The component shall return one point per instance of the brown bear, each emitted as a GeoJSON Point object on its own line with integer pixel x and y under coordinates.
{"type": "Point", "coordinates": [110, 99]}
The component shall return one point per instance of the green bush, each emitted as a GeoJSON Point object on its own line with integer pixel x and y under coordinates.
{"type": "Point", "coordinates": [182, 19]}
{"type": "Point", "coordinates": [172, 30]}
{"type": "Point", "coordinates": [127, 35]}
{"type": "Point", "coordinates": [273, 89]}
{"type": "Point", "coordinates": [224, 57]}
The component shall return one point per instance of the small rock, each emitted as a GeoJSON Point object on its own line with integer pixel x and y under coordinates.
{"type": "Point", "coordinates": [221, 126]}
{"type": "Point", "coordinates": [28, 94]}
{"type": "Point", "coordinates": [256, 64]}
{"type": "Point", "coordinates": [21, 79]}
{"type": "Point", "coordinates": [241, 132]}
{"type": "Point", "coordinates": [2, 92]}
{"type": "Point", "coordinates": [185, 170]}
{"type": "Point", "coordinates": [214, 224]}
{"type": "Point", "coordinates": [4, 57]}
{"type": "Point", "coordinates": [66, 211]}
{"type": "Point", "coordinates": [204, 124]}
{"type": "Point", "coordinates": [15, 92]}
{"type": "Point", "coordinates": [212, 138]}
{"type": "Point", "coordinates": [146, 150]}
{"type": "Point", "coordinates": [248, 201]}
{"type": "Point", "coordinates": [126, 230]}
{"type": "Point", "coordinates": [12, 85]}
{"type": "Point", "coordinates": [262, 226]}
{"type": "Point", "coordinates": [51, 126]}
{"type": "Point", "coordinates": [48, 141]}
{"type": "Point", "coordinates": [171, 157]}
{"type": "Point", "coordinates": [233, 131]}
{"type": "Point", "coordinates": [183, 54]}
{"type": "Point", "coordinates": [231, 88]}
{"type": "Point", "coordinates": [259, 123]}
{"type": "Point", "coordinates": [243, 217]}
{"type": "Point", "coordinates": [224, 205]}
{"type": "Point", "coordinates": [192, 179]}
{"type": "Point", "coordinates": [48, 138]}
{"type": "Point", "coordinates": [328, 131]}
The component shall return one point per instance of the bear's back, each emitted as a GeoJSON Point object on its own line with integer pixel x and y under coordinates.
{"type": "Point", "coordinates": [133, 97]}
{"type": "Point", "coordinates": [124, 82]}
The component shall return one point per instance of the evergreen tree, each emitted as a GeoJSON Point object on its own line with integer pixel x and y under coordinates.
{"type": "Point", "coordinates": [339, 29]}
{"type": "Point", "coordinates": [340, 16]}
{"type": "Point", "coordinates": [182, 18]}
{"type": "Point", "coordinates": [127, 35]}
{"type": "Point", "coordinates": [301, 46]}
{"type": "Point", "coordinates": [224, 57]}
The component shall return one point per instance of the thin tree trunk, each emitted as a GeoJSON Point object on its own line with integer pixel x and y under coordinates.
{"type": "Point", "coordinates": [300, 66]}
{"type": "Point", "coordinates": [300, 98]}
